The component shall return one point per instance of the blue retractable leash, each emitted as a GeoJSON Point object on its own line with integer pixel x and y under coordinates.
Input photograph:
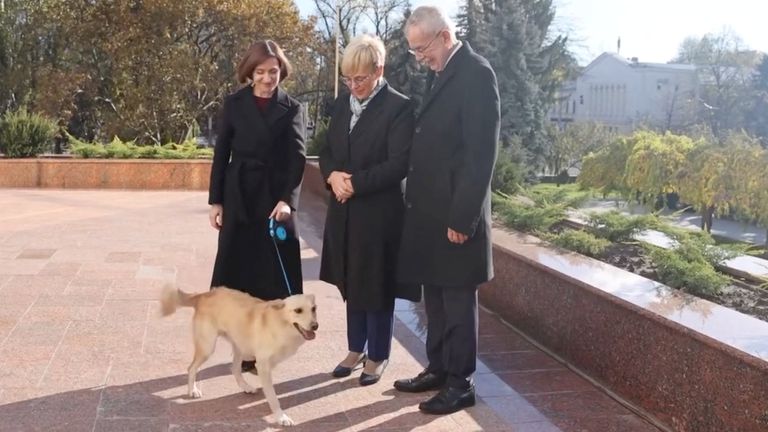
{"type": "Point", "coordinates": [278, 232]}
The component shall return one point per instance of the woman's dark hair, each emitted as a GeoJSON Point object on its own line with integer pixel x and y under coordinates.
{"type": "Point", "coordinates": [257, 54]}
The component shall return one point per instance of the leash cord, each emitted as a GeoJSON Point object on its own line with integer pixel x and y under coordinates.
{"type": "Point", "coordinates": [282, 267]}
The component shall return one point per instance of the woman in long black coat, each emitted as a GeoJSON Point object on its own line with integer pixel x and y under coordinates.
{"type": "Point", "coordinates": [258, 165]}
{"type": "Point", "coordinates": [364, 160]}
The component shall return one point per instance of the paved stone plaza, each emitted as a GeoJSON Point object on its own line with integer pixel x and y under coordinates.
{"type": "Point", "coordinates": [82, 346]}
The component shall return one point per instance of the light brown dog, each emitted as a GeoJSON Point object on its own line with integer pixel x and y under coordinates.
{"type": "Point", "coordinates": [269, 331]}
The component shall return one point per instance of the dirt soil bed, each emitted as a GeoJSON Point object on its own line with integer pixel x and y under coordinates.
{"type": "Point", "coordinates": [740, 295]}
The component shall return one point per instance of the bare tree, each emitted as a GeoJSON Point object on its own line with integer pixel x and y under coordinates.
{"type": "Point", "coordinates": [349, 14]}
{"type": "Point", "coordinates": [726, 69]}
{"type": "Point", "coordinates": [385, 16]}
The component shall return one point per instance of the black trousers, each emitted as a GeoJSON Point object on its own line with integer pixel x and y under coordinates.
{"type": "Point", "coordinates": [452, 332]}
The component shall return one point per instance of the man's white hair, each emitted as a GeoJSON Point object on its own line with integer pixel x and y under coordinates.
{"type": "Point", "coordinates": [430, 19]}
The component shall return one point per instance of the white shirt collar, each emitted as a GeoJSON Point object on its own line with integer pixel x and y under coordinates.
{"type": "Point", "coordinates": [453, 52]}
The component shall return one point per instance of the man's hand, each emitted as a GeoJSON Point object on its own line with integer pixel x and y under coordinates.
{"type": "Point", "coordinates": [281, 212]}
{"type": "Point", "coordinates": [341, 185]}
{"type": "Point", "coordinates": [216, 216]}
{"type": "Point", "coordinates": [456, 237]}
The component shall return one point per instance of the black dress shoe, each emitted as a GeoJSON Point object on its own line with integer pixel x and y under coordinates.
{"type": "Point", "coordinates": [424, 381]}
{"type": "Point", "coordinates": [370, 379]}
{"type": "Point", "coordinates": [449, 400]}
{"type": "Point", "coordinates": [248, 366]}
{"type": "Point", "coordinates": [343, 371]}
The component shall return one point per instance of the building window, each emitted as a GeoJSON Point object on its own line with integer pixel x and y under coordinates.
{"type": "Point", "coordinates": [573, 111]}
{"type": "Point", "coordinates": [581, 99]}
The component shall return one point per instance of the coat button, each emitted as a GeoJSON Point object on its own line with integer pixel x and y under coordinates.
{"type": "Point", "coordinates": [410, 168]}
{"type": "Point", "coordinates": [408, 205]}
{"type": "Point", "coordinates": [418, 129]}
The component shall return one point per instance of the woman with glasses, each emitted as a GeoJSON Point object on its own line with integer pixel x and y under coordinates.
{"type": "Point", "coordinates": [363, 162]}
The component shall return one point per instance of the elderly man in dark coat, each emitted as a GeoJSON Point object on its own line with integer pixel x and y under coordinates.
{"type": "Point", "coordinates": [446, 243]}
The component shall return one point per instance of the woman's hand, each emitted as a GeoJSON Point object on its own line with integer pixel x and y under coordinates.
{"type": "Point", "coordinates": [216, 216]}
{"type": "Point", "coordinates": [341, 185]}
{"type": "Point", "coordinates": [281, 212]}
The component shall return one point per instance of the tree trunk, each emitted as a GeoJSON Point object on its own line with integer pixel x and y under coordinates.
{"type": "Point", "coordinates": [707, 217]}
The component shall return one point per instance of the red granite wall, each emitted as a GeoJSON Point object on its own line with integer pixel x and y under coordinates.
{"type": "Point", "coordinates": [692, 364]}
{"type": "Point", "coordinates": [105, 173]}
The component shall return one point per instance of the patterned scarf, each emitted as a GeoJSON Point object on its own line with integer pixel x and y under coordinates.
{"type": "Point", "coordinates": [358, 106]}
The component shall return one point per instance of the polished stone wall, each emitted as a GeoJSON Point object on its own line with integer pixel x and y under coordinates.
{"type": "Point", "coordinates": [692, 364]}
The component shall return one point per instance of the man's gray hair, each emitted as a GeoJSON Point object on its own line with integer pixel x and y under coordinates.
{"type": "Point", "coordinates": [430, 19]}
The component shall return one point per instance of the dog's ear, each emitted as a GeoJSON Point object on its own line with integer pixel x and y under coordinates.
{"type": "Point", "coordinates": [277, 304]}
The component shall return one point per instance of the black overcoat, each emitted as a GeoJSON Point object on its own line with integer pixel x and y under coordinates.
{"type": "Point", "coordinates": [448, 185]}
{"type": "Point", "coordinates": [258, 160]}
{"type": "Point", "coordinates": [362, 236]}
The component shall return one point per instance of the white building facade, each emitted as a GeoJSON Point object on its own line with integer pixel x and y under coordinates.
{"type": "Point", "coordinates": [626, 94]}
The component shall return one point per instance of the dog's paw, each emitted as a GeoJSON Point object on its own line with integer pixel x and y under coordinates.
{"type": "Point", "coordinates": [284, 420]}
{"type": "Point", "coordinates": [195, 393]}
{"type": "Point", "coordinates": [248, 389]}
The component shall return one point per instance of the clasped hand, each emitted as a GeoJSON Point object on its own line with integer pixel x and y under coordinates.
{"type": "Point", "coordinates": [341, 185]}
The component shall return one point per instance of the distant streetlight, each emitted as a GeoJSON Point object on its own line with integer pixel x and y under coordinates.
{"type": "Point", "coordinates": [336, 63]}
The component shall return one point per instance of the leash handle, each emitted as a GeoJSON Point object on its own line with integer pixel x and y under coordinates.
{"type": "Point", "coordinates": [280, 233]}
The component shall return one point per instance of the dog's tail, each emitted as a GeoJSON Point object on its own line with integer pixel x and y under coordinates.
{"type": "Point", "coordinates": [172, 298]}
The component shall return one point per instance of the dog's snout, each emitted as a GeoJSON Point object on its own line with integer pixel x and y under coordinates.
{"type": "Point", "coordinates": [315, 326]}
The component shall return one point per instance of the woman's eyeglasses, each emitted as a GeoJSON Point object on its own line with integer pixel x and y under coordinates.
{"type": "Point", "coordinates": [355, 81]}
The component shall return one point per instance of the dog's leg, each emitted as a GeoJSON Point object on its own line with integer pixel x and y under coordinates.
{"type": "Point", "coordinates": [205, 342]}
{"type": "Point", "coordinates": [265, 373]}
{"type": "Point", "coordinates": [237, 359]}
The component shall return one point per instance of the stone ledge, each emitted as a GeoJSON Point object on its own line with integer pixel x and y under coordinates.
{"type": "Point", "coordinates": [692, 364]}
{"type": "Point", "coordinates": [105, 173]}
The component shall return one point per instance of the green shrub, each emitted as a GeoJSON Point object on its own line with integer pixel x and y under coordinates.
{"type": "Point", "coordinates": [617, 227]}
{"type": "Point", "coordinates": [508, 173]}
{"type": "Point", "coordinates": [568, 195]}
{"type": "Point", "coordinates": [700, 243]}
{"type": "Point", "coordinates": [24, 134]}
{"type": "Point", "coordinates": [580, 241]}
{"type": "Point", "coordinates": [686, 268]}
{"type": "Point", "coordinates": [118, 149]}
{"type": "Point", "coordinates": [525, 217]}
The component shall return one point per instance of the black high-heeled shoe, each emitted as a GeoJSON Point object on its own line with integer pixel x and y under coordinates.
{"type": "Point", "coordinates": [370, 379]}
{"type": "Point", "coordinates": [343, 371]}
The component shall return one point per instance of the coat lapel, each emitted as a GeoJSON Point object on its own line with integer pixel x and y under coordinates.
{"type": "Point", "coordinates": [277, 108]}
{"type": "Point", "coordinates": [254, 120]}
{"type": "Point", "coordinates": [262, 123]}
{"type": "Point", "coordinates": [440, 80]}
{"type": "Point", "coordinates": [338, 133]}
{"type": "Point", "coordinates": [369, 114]}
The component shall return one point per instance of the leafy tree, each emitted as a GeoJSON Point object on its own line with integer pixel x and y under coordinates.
{"type": "Point", "coordinates": [652, 167]}
{"type": "Point", "coordinates": [750, 187]}
{"type": "Point", "coordinates": [604, 169]}
{"type": "Point", "coordinates": [150, 70]}
{"type": "Point", "coordinates": [713, 179]}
